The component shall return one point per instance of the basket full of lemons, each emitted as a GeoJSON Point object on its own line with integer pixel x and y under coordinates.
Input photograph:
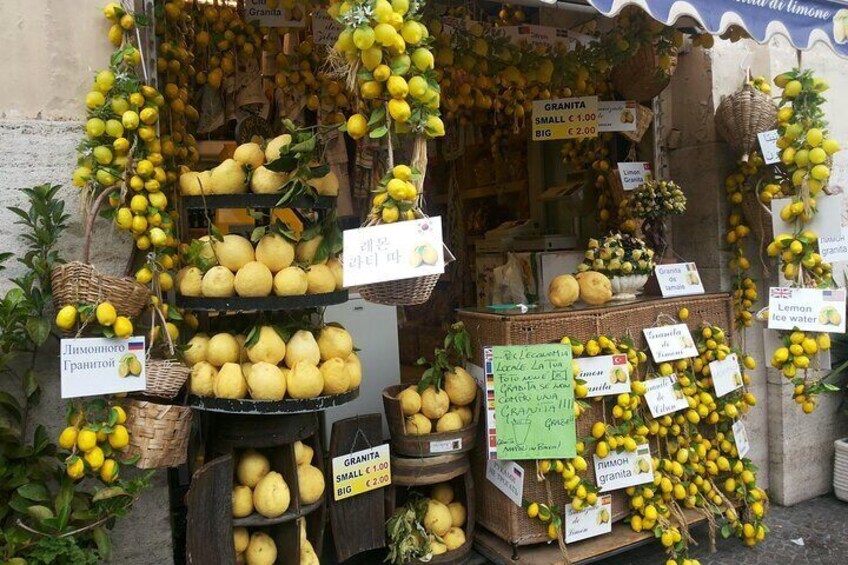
{"type": "Point", "coordinates": [626, 260]}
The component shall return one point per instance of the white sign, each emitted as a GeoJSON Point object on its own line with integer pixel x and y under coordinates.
{"type": "Point", "coordinates": [269, 13]}
{"type": "Point", "coordinates": [446, 445]}
{"type": "Point", "coordinates": [625, 469]}
{"type": "Point", "coordinates": [826, 222]}
{"type": "Point", "coordinates": [679, 279]}
{"type": "Point", "coordinates": [768, 146]}
{"type": "Point", "coordinates": [590, 521]}
{"type": "Point", "coordinates": [361, 472]}
{"type": "Point", "coordinates": [726, 375]}
{"type": "Point", "coordinates": [325, 30]}
{"type": "Point", "coordinates": [391, 252]}
{"type": "Point", "coordinates": [740, 437]}
{"type": "Point", "coordinates": [663, 397]}
{"type": "Point", "coordinates": [633, 175]}
{"type": "Point", "coordinates": [617, 115]}
{"type": "Point", "coordinates": [508, 477]}
{"type": "Point", "coordinates": [605, 375]}
{"type": "Point", "coordinates": [834, 248]}
{"type": "Point", "coordinates": [670, 343]}
{"type": "Point", "coordinates": [808, 309]}
{"type": "Point", "coordinates": [93, 366]}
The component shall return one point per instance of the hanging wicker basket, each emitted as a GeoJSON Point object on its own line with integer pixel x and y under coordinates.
{"type": "Point", "coordinates": [640, 78]}
{"type": "Point", "coordinates": [758, 218]}
{"type": "Point", "coordinates": [159, 433]}
{"type": "Point", "coordinates": [165, 378]}
{"type": "Point", "coordinates": [744, 114]}
{"type": "Point", "coordinates": [406, 292]}
{"type": "Point", "coordinates": [80, 283]}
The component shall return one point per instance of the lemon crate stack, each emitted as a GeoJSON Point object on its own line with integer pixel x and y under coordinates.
{"type": "Point", "coordinates": [261, 489]}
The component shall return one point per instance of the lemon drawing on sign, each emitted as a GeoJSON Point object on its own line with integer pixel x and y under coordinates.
{"type": "Point", "coordinates": [828, 315]}
{"type": "Point", "coordinates": [627, 117]}
{"type": "Point", "coordinates": [423, 254]}
{"type": "Point", "coordinates": [129, 366]}
{"type": "Point", "coordinates": [840, 26]}
{"type": "Point", "coordinates": [618, 375]}
{"type": "Point", "coordinates": [642, 465]}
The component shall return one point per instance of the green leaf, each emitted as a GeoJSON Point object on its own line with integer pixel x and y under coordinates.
{"type": "Point", "coordinates": [378, 132]}
{"type": "Point", "coordinates": [10, 403]}
{"type": "Point", "coordinates": [36, 492]}
{"type": "Point", "coordinates": [107, 493]}
{"type": "Point", "coordinates": [725, 531]}
{"type": "Point", "coordinates": [104, 544]}
{"type": "Point", "coordinates": [378, 116]}
{"type": "Point", "coordinates": [30, 383]}
{"type": "Point", "coordinates": [39, 512]}
{"type": "Point", "coordinates": [257, 233]}
{"type": "Point", "coordinates": [285, 164]}
{"type": "Point", "coordinates": [319, 171]}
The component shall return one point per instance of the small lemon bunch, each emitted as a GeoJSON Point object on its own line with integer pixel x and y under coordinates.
{"type": "Point", "coordinates": [95, 437]}
{"type": "Point", "coordinates": [385, 46]}
{"type": "Point", "coordinates": [618, 255]}
{"type": "Point", "coordinates": [78, 316]}
{"type": "Point", "coordinates": [396, 197]}
{"type": "Point", "coordinates": [799, 257]}
{"type": "Point", "coordinates": [807, 149]}
{"type": "Point", "coordinates": [760, 83]}
{"type": "Point", "coordinates": [794, 358]}
{"type": "Point", "coordinates": [223, 38]}
{"type": "Point", "coordinates": [582, 492]}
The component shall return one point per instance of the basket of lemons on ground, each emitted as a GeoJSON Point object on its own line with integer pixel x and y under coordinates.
{"type": "Point", "coordinates": [438, 415]}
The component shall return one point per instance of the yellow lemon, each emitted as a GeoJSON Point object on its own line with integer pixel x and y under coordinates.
{"type": "Point", "coordinates": [94, 457]}
{"type": "Point", "coordinates": [371, 57]}
{"type": "Point", "coordinates": [67, 317]}
{"type": "Point", "coordinates": [390, 215]}
{"type": "Point", "coordinates": [382, 73]}
{"type": "Point", "coordinates": [418, 87]}
{"type": "Point", "coordinates": [122, 327]}
{"type": "Point", "coordinates": [121, 415]}
{"type": "Point", "coordinates": [397, 189]}
{"type": "Point", "coordinates": [399, 110]}
{"type": "Point", "coordinates": [86, 440]}
{"type": "Point", "coordinates": [95, 127]}
{"type": "Point", "coordinates": [76, 468]}
{"type": "Point", "coordinates": [422, 59]}
{"type": "Point", "coordinates": [109, 471]}
{"type": "Point", "coordinates": [402, 172]}
{"type": "Point", "coordinates": [106, 314]}
{"type": "Point", "coordinates": [370, 90]}
{"type": "Point", "coordinates": [68, 438]}
{"type": "Point", "coordinates": [357, 126]}
{"type": "Point", "coordinates": [363, 37]}
{"type": "Point", "coordinates": [792, 89]}
{"type": "Point", "coordinates": [130, 119]}
{"type": "Point", "coordinates": [814, 137]}
{"type": "Point", "coordinates": [119, 438]}
{"type": "Point", "coordinates": [397, 87]}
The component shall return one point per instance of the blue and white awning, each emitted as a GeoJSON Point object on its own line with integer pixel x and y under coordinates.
{"type": "Point", "coordinates": [804, 22]}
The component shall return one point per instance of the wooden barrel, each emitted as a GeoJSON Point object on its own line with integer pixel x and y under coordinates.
{"type": "Point", "coordinates": [427, 445]}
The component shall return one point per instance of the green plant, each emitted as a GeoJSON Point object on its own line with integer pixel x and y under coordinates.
{"type": "Point", "coordinates": [456, 353]}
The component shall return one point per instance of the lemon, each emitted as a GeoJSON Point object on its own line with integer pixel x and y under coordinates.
{"type": "Point", "coordinates": [402, 172]}
{"type": "Point", "coordinates": [95, 127]}
{"type": "Point", "coordinates": [68, 438]}
{"type": "Point", "coordinates": [119, 438]}
{"type": "Point", "coordinates": [76, 468]}
{"type": "Point", "coordinates": [106, 314]}
{"type": "Point", "coordinates": [400, 6]}
{"type": "Point", "coordinates": [792, 89]}
{"type": "Point", "coordinates": [382, 11]}
{"type": "Point", "coordinates": [817, 156]}
{"type": "Point", "coordinates": [390, 215]}
{"type": "Point", "coordinates": [253, 279]}
{"type": "Point", "coordinates": [401, 64]}
{"type": "Point", "coordinates": [81, 176]}
{"type": "Point", "coordinates": [67, 317]}
{"type": "Point", "coordinates": [357, 126]}
{"type": "Point", "coordinates": [820, 172]}
{"type": "Point", "coordinates": [399, 110]}
{"type": "Point", "coordinates": [397, 189]}
{"type": "Point", "coordinates": [363, 37]}
{"type": "Point", "coordinates": [94, 99]}
{"type": "Point", "coordinates": [121, 415]}
{"type": "Point", "coordinates": [422, 59]}
{"type": "Point", "coordinates": [109, 471]}
{"type": "Point", "coordinates": [149, 115]}
{"type": "Point", "coordinates": [122, 327]}
{"type": "Point", "coordinates": [418, 87]}
{"type": "Point", "coordinates": [382, 73]}
{"type": "Point", "coordinates": [370, 90]}
{"type": "Point", "coordinates": [104, 80]}
{"type": "Point", "coordinates": [411, 32]}
{"type": "Point", "coordinates": [385, 34]}
{"type": "Point", "coordinates": [435, 126]}
{"type": "Point", "coordinates": [830, 146]}
{"type": "Point", "coordinates": [94, 457]}
{"type": "Point", "coordinates": [397, 87]}
{"type": "Point", "coordinates": [814, 137]}
{"type": "Point", "coordinates": [130, 119]}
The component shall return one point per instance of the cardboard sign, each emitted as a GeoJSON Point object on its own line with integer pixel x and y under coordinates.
{"type": "Point", "coordinates": [664, 397]}
{"type": "Point", "coordinates": [633, 175]}
{"type": "Point", "coordinates": [625, 469]}
{"type": "Point", "coordinates": [768, 146]}
{"type": "Point", "coordinates": [361, 471]}
{"type": "Point", "coordinates": [679, 279]}
{"type": "Point", "coordinates": [446, 445]}
{"type": "Point", "coordinates": [269, 13]}
{"type": "Point", "coordinates": [325, 30]}
{"type": "Point", "coordinates": [670, 343]}
{"type": "Point", "coordinates": [491, 430]}
{"type": "Point", "coordinates": [808, 309]}
{"type": "Point", "coordinates": [740, 437]}
{"type": "Point", "coordinates": [565, 118]}
{"type": "Point", "coordinates": [590, 521]}
{"type": "Point", "coordinates": [391, 252]}
{"type": "Point", "coordinates": [92, 366]}
{"type": "Point", "coordinates": [726, 375]}
{"type": "Point", "coordinates": [827, 221]}
{"type": "Point", "coordinates": [617, 115]}
{"type": "Point", "coordinates": [508, 477]}
{"type": "Point", "coordinates": [534, 401]}
{"type": "Point", "coordinates": [834, 248]}
{"type": "Point", "coordinates": [605, 375]}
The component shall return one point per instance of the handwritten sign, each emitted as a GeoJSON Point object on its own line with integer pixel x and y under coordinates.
{"type": "Point", "coordinates": [565, 118]}
{"type": "Point", "coordinates": [605, 375]}
{"type": "Point", "coordinates": [325, 30]}
{"type": "Point", "coordinates": [826, 222]}
{"type": "Point", "coordinates": [625, 469]}
{"type": "Point", "coordinates": [270, 14]}
{"type": "Point", "coordinates": [390, 252]}
{"type": "Point", "coordinates": [679, 279]}
{"type": "Point", "coordinates": [361, 472]}
{"type": "Point", "coordinates": [634, 175]}
{"type": "Point", "coordinates": [726, 375]}
{"type": "Point", "coordinates": [669, 343]}
{"type": "Point", "coordinates": [93, 366]}
{"type": "Point", "coordinates": [664, 397]}
{"type": "Point", "coordinates": [508, 477]}
{"type": "Point", "coordinates": [808, 309]}
{"type": "Point", "coordinates": [617, 115]}
{"type": "Point", "coordinates": [589, 521]}
{"type": "Point", "coordinates": [768, 146]}
{"type": "Point", "coordinates": [740, 437]}
{"type": "Point", "coordinates": [534, 401]}
{"type": "Point", "coordinates": [834, 248]}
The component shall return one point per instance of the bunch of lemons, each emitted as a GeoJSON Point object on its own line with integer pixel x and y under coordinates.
{"type": "Point", "coordinates": [94, 446]}
{"type": "Point", "coordinates": [799, 256]}
{"type": "Point", "coordinates": [793, 359]}
{"type": "Point", "coordinates": [396, 196]}
{"type": "Point", "coordinates": [222, 42]}
{"type": "Point", "coordinates": [110, 323]}
{"type": "Point", "coordinates": [386, 47]}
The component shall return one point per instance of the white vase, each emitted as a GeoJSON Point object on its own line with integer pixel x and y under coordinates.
{"type": "Point", "coordinates": [628, 286]}
{"type": "Point", "coordinates": [840, 470]}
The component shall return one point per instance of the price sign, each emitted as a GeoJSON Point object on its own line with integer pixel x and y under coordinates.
{"type": "Point", "coordinates": [768, 145]}
{"type": "Point", "coordinates": [565, 118]}
{"type": "Point", "coordinates": [361, 471]}
{"type": "Point", "coordinates": [98, 365]}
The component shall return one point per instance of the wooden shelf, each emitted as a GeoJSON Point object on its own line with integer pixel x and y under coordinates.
{"type": "Point", "coordinates": [234, 201]}
{"type": "Point", "coordinates": [248, 406]}
{"type": "Point", "coordinates": [258, 520]}
{"type": "Point", "coordinates": [486, 191]}
{"type": "Point", "coordinates": [261, 304]}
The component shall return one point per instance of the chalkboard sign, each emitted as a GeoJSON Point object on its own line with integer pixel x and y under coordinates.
{"type": "Point", "coordinates": [534, 402]}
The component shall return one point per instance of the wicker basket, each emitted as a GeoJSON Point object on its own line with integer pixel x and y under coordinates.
{"type": "Point", "coordinates": [159, 433]}
{"type": "Point", "coordinates": [406, 292]}
{"type": "Point", "coordinates": [744, 114]}
{"type": "Point", "coordinates": [644, 118]}
{"type": "Point", "coordinates": [840, 470]}
{"type": "Point", "coordinates": [165, 378]}
{"type": "Point", "coordinates": [640, 78]}
{"type": "Point", "coordinates": [758, 217]}
{"type": "Point", "coordinates": [80, 283]}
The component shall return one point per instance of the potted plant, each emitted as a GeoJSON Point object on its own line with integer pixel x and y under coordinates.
{"type": "Point", "coordinates": [624, 259]}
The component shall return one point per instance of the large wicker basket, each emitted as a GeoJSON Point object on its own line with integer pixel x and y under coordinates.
{"type": "Point", "coordinates": [80, 283]}
{"type": "Point", "coordinates": [165, 378]}
{"type": "Point", "coordinates": [744, 114]}
{"type": "Point", "coordinates": [406, 292]}
{"type": "Point", "coordinates": [640, 77]}
{"type": "Point", "coordinates": [159, 433]}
